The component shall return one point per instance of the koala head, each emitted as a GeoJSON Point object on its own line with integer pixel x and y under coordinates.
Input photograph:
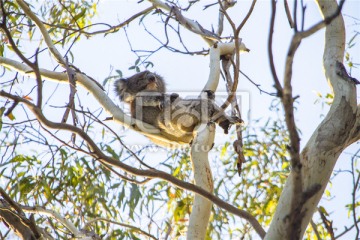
{"type": "Point", "coordinates": [146, 81]}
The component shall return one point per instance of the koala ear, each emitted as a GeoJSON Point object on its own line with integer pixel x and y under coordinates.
{"type": "Point", "coordinates": [121, 88]}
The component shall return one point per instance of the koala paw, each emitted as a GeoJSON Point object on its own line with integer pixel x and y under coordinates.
{"type": "Point", "coordinates": [210, 94]}
{"type": "Point", "coordinates": [226, 124]}
{"type": "Point", "coordinates": [173, 97]}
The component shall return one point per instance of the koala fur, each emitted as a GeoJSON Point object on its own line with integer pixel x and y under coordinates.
{"type": "Point", "coordinates": [145, 93]}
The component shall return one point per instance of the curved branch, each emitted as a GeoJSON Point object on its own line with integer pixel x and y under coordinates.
{"type": "Point", "coordinates": [187, 23]}
{"type": "Point", "coordinates": [125, 23]}
{"type": "Point", "coordinates": [246, 17]}
{"type": "Point", "coordinates": [39, 210]}
{"type": "Point", "coordinates": [118, 115]}
{"type": "Point", "coordinates": [288, 14]}
{"type": "Point", "coordinates": [332, 136]}
{"type": "Point", "coordinates": [133, 228]}
{"type": "Point", "coordinates": [223, 6]}
{"type": "Point", "coordinates": [216, 51]}
{"type": "Point", "coordinates": [355, 134]}
{"type": "Point", "coordinates": [278, 86]}
{"type": "Point", "coordinates": [55, 53]}
{"type": "Point", "coordinates": [152, 173]}
{"type": "Point", "coordinates": [34, 65]}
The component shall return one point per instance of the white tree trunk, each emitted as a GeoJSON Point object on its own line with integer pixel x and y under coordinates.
{"type": "Point", "coordinates": [200, 214]}
{"type": "Point", "coordinates": [332, 136]}
{"type": "Point", "coordinates": [202, 144]}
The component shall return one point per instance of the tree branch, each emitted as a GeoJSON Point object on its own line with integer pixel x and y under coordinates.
{"type": "Point", "coordinates": [288, 14]}
{"type": "Point", "coordinates": [15, 221]}
{"type": "Point", "coordinates": [132, 228]}
{"type": "Point", "coordinates": [120, 25]}
{"type": "Point", "coordinates": [294, 148]}
{"type": "Point", "coordinates": [34, 65]}
{"type": "Point", "coordinates": [118, 115]}
{"type": "Point", "coordinates": [39, 210]}
{"type": "Point", "coordinates": [226, 4]}
{"type": "Point", "coordinates": [246, 17]}
{"type": "Point", "coordinates": [200, 214]}
{"type": "Point", "coordinates": [14, 216]}
{"type": "Point", "coordinates": [55, 53]}
{"type": "Point", "coordinates": [355, 134]}
{"type": "Point", "coordinates": [278, 86]}
{"type": "Point", "coordinates": [152, 173]}
{"type": "Point", "coordinates": [193, 26]}
{"type": "Point", "coordinates": [330, 138]}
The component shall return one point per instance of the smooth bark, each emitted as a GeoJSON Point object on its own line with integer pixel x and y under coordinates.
{"type": "Point", "coordinates": [332, 136]}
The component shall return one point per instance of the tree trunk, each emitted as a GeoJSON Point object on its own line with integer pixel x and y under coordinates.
{"type": "Point", "coordinates": [200, 214]}
{"type": "Point", "coordinates": [332, 136]}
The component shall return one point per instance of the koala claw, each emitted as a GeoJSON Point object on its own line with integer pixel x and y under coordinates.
{"type": "Point", "coordinates": [210, 94]}
{"type": "Point", "coordinates": [161, 105]}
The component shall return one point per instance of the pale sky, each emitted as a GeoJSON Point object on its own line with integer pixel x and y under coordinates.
{"type": "Point", "coordinates": [190, 73]}
{"type": "Point", "coordinates": [98, 54]}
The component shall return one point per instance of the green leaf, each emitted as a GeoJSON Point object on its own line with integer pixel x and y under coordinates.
{"type": "Point", "coordinates": [323, 210]}
{"type": "Point", "coordinates": [352, 39]}
{"type": "Point", "coordinates": [137, 61]}
{"type": "Point", "coordinates": [79, 15]}
{"type": "Point", "coordinates": [11, 116]}
{"type": "Point", "coordinates": [135, 196]}
{"type": "Point", "coordinates": [47, 191]}
{"type": "Point", "coordinates": [106, 80]}
{"type": "Point", "coordinates": [1, 50]}
{"type": "Point", "coordinates": [149, 64]}
{"type": "Point", "coordinates": [116, 185]}
{"type": "Point", "coordinates": [119, 72]}
{"type": "Point", "coordinates": [121, 197]}
{"type": "Point", "coordinates": [2, 110]}
{"type": "Point", "coordinates": [285, 165]}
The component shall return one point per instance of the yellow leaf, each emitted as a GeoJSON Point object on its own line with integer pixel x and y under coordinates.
{"type": "Point", "coordinates": [11, 116]}
{"type": "Point", "coordinates": [27, 97]}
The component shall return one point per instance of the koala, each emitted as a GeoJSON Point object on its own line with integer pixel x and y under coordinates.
{"type": "Point", "coordinates": [145, 92]}
{"type": "Point", "coordinates": [142, 85]}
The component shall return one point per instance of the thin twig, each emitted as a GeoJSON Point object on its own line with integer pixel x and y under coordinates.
{"type": "Point", "coordinates": [303, 10]}
{"type": "Point", "coordinates": [40, 210]}
{"type": "Point", "coordinates": [278, 86]}
{"type": "Point", "coordinates": [353, 194]}
{"type": "Point", "coordinates": [322, 23]}
{"type": "Point", "coordinates": [288, 14]}
{"type": "Point", "coordinates": [347, 230]}
{"type": "Point", "coordinates": [132, 228]}
{"type": "Point", "coordinates": [295, 16]}
{"type": "Point", "coordinates": [152, 173]}
{"type": "Point", "coordinates": [257, 85]}
{"type": "Point", "coordinates": [34, 65]}
{"type": "Point", "coordinates": [327, 224]}
{"type": "Point", "coordinates": [242, 24]}
{"type": "Point", "coordinates": [314, 227]}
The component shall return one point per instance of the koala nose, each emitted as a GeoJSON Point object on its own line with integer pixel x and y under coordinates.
{"type": "Point", "coordinates": [151, 78]}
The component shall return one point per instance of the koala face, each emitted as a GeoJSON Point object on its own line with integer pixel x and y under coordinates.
{"type": "Point", "coordinates": [127, 88]}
